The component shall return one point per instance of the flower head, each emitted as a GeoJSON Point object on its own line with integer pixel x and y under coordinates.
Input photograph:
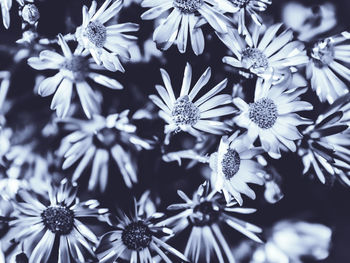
{"type": "Point", "coordinates": [268, 56]}
{"type": "Point", "coordinates": [205, 216]}
{"type": "Point", "coordinates": [325, 145]}
{"type": "Point", "coordinates": [327, 68]}
{"type": "Point", "coordinates": [185, 114]}
{"type": "Point", "coordinates": [184, 20]}
{"type": "Point", "coordinates": [272, 117]}
{"type": "Point", "coordinates": [135, 238]}
{"type": "Point", "coordinates": [102, 141]}
{"type": "Point", "coordinates": [74, 69]}
{"type": "Point", "coordinates": [37, 225]}
{"type": "Point", "coordinates": [105, 43]}
{"type": "Point", "coordinates": [233, 168]}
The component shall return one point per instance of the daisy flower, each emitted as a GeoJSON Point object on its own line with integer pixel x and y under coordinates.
{"type": "Point", "coordinates": [105, 43]}
{"type": "Point", "coordinates": [241, 7]}
{"type": "Point", "coordinates": [184, 20]}
{"type": "Point", "coordinates": [328, 67]}
{"type": "Point", "coordinates": [272, 117]}
{"type": "Point", "coordinates": [74, 69]}
{"type": "Point", "coordinates": [233, 168]}
{"type": "Point", "coordinates": [267, 56]}
{"type": "Point", "coordinates": [38, 225]}
{"type": "Point", "coordinates": [185, 114]}
{"type": "Point", "coordinates": [135, 238]}
{"type": "Point", "coordinates": [206, 218]}
{"type": "Point", "coordinates": [102, 140]}
{"type": "Point", "coordinates": [325, 146]}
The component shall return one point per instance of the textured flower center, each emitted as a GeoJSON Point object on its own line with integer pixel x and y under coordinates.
{"type": "Point", "coordinates": [185, 112]}
{"type": "Point", "coordinates": [254, 58]}
{"type": "Point", "coordinates": [30, 14]}
{"type": "Point", "coordinates": [106, 137]}
{"type": "Point", "coordinates": [263, 112]}
{"type": "Point", "coordinates": [240, 3]}
{"type": "Point", "coordinates": [77, 66]}
{"type": "Point", "coordinates": [188, 6]}
{"type": "Point", "coordinates": [323, 52]}
{"type": "Point", "coordinates": [58, 219]}
{"type": "Point", "coordinates": [205, 213]}
{"type": "Point", "coordinates": [96, 33]}
{"type": "Point", "coordinates": [230, 163]}
{"type": "Point", "coordinates": [136, 236]}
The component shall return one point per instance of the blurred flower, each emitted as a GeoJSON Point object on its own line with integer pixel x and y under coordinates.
{"type": "Point", "coordinates": [73, 69]}
{"type": "Point", "coordinates": [5, 11]}
{"type": "Point", "coordinates": [328, 67]}
{"type": "Point", "coordinates": [325, 147]}
{"type": "Point", "coordinates": [205, 216]}
{"type": "Point", "coordinates": [136, 237]}
{"type": "Point", "coordinates": [28, 37]}
{"type": "Point", "coordinates": [241, 7]}
{"type": "Point", "coordinates": [272, 116]}
{"type": "Point", "coordinates": [182, 114]}
{"type": "Point", "coordinates": [291, 241]}
{"type": "Point", "coordinates": [38, 225]}
{"type": "Point", "coordinates": [5, 82]}
{"type": "Point", "coordinates": [270, 56]}
{"type": "Point", "coordinates": [309, 22]}
{"type": "Point", "coordinates": [185, 19]}
{"type": "Point", "coordinates": [96, 141]}
{"type": "Point", "coordinates": [233, 168]}
{"type": "Point", "coordinates": [105, 43]}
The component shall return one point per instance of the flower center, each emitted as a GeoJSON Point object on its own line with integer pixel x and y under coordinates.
{"type": "Point", "coordinates": [230, 163]}
{"type": "Point", "coordinates": [136, 236]}
{"type": "Point", "coordinates": [97, 34]}
{"type": "Point", "coordinates": [106, 138]}
{"type": "Point", "coordinates": [263, 112]}
{"type": "Point", "coordinates": [254, 58]}
{"type": "Point", "coordinates": [205, 213]}
{"type": "Point", "coordinates": [30, 14]}
{"type": "Point", "coordinates": [58, 219]}
{"type": "Point", "coordinates": [77, 66]}
{"type": "Point", "coordinates": [323, 52]}
{"type": "Point", "coordinates": [185, 112]}
{"type": "Point", "coordinates": [188, 6]}
{"type": "Point", "coordinates": [240, 3]}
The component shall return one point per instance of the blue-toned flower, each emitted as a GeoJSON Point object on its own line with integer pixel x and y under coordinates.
{"type": "Point", "coordinates": [267, 56]}
{"type": "Point", "coordinates": [233, 168]}
{"type": "Point", "coordinates": [101, 141]}
{"type": "Point", "coordinates": [328, 67]}
{"type": "Point", "coordinates": [74, 70]}
{"type": "Point", "coordinates": [137, 238]}
{"type": "Point", "coordinates": [184, 19]}
{"type": "Point", "coordinates": [272, 117]}
{"type": "Point", "coordinates": [205, 216]}
{"type": "Point", "coordinates": [38, 224]}
{"type": "Point", "coordinates": [325, 146]}
{"type": "Point", "coordinates": [293, 241]}
{"type": "Point", "coordinates": [106, 44]}
{"type": "Point", "coordinates": [189, 115]}
{"type": "Point", "coordinates": [243, 8]}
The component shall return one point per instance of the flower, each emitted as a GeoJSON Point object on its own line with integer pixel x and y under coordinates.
{"type": "Point", "coordinates": [96, 141]}
{"type": "Point", "coordinates": [241, 7]}
{"type": "Point", "coordinates": [328, 67]}
{"type": "Point", "coordinates": [73, 69]}
{"type": "Point", "coordinates": [134, 238]}
{"type": "Point", "coordinates": [233, 168]}
{"type": "Point", "coordinates": [205, 216]}
{"type": "Point", "coordinates": [325, 146]}
{"type": "Point", "coordinates": [38, 225]}
{"type": "Point", "coordinates": [272, 117]}
{"type": "Point", "coordinates": [184, 114]}
{"type": "Point", "coordinates": [270, 56]}
{"type": "Point", "coordinates": [30, 14]}
{"type": "Point", "coordinates": [5, 11]}
{"type": "Point", "coordinates": [184, 20]}
{"type": "Point", "coordinates": [292, 241]}
{"type": "Point", "coordinates": [105, 43]}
